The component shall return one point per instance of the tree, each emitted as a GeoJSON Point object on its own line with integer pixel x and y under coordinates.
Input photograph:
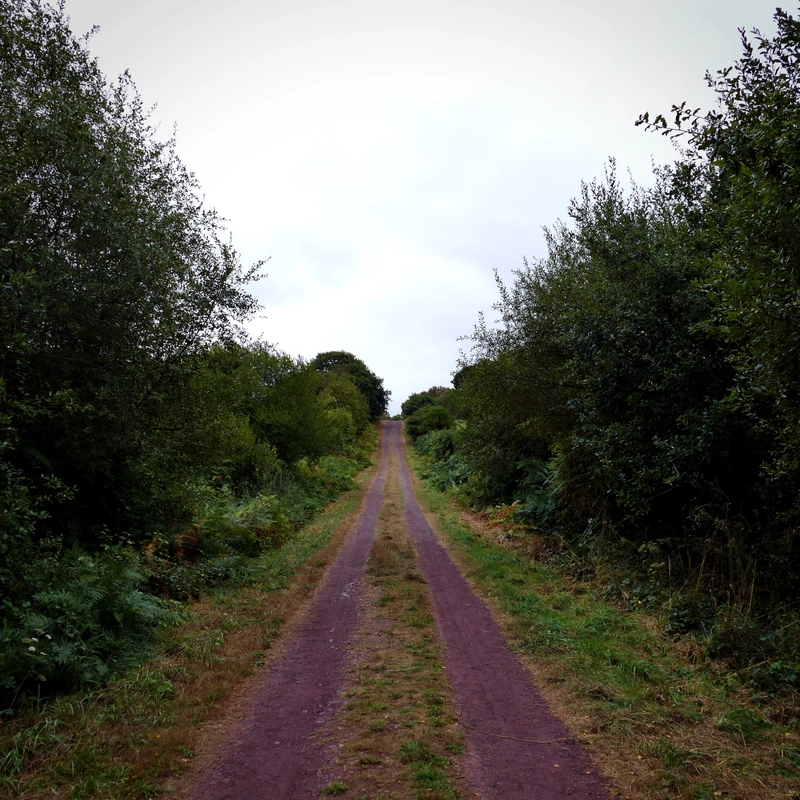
{"type": "Point", "coordinates": [341, 392]}
{"type": "Point", "coordinates": [114, 279]}
{"type": "Point", "coordinates": [428, 418]}
{"type": "Point", "coordinates": [601, 364]}
{"type": "Point", "coordinates": [414, 402]}
{"type": "Point", "coordinates": [369, 384]}
{"type": "Point", "coordinates": [747, 156]}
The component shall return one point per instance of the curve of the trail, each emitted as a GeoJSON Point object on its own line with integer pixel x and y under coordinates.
{"type": "Point", "coordinates": [518, 749]}
{"type": "Point", "coordinates": [272, 753]}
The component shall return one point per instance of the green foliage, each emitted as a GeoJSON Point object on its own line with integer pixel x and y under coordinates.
{"type": "Point", "coordinates": [743, 722]}
{"type": "Point", "coordinates": [447, 470]}
{"type": "Point", "coordinates": [342, 395]}
{"type": "Point", "coordinates": [437, 445]}
{"type": "Point", "coordinates": [114, 279]}
{"type": "Point", "coordinates": [641, 393]}
{"type": "Point", "coordinates": [89, 618]}
{"type": "Point", "coordinates": [426, 419]}
{"type": "Point", "coordinates": [287, 411]}
{"type": "Point", "coordinates": [334, 788]}
{"type": "Point", "coordinates": [599, 362]}
{"type": "Point", "coordinates": [370, 385]}
{"type": "Point", "coordinates": [436, 395]}
{"type": "Point", "coordinates": [498, 398]}
{"type": "Point", "coordinates": [753, 147]}
{"type": "Point", "coordinates": [747, 154]}
{"type": "Point", "coordinates": [147, 449]}
{"type": "Point", "coordinates": [447, 398]}
{"type": "Point", "coordinates": [415, 402]}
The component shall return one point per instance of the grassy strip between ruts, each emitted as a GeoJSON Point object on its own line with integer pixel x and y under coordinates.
{"type": "Point", "coordinates": [134, 737]}
{"type": "Point", "coordinates": [659, 721]}
{"type": "Point", "coordinates": [396, 735]}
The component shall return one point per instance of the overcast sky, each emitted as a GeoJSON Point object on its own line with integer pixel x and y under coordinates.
{"type": "Point", "coordinates": [388, 157]}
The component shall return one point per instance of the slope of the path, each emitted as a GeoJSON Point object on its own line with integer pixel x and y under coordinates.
{"type": "Point", "coordinates": [272, 753]}
{"type": "Point", "coordinates": [518, 749]}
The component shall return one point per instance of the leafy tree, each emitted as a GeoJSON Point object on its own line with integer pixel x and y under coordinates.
{"type": "Point", "coordinates": [115, 280]}
{"type": "Point", "coordinates": [369, 384]}
{"type": "Point", "coordinates": [341, 392]}
{"type": "Point", "coordinates": [602, 367]}
{"type": "Point", "coordinates": [415, 402]}
{"type": "Point", "coordinates": [146, 447]}
{"type": "Point", "coordinates": [278, 396]}
{"type": "Point", "coordinates": [745, 156]}
{"type": "Point", "coordinates": [428, 418]}
{"type": "Point", "coordinates": [641, 390]}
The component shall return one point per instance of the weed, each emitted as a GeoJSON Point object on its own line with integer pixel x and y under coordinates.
{"type": "Point", "coordinates": [334, 787]}
{"type": "Point", "coordinates": [743, 722]}
{"type": "Point", "coordinates": [415, 750]}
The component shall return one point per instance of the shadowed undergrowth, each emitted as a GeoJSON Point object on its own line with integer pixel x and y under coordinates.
{"type": "Point", "coordinates": [135, 736]}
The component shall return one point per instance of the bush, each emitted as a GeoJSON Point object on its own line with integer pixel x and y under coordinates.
{"type": "Point", "coordinates": [93, 619]}
{"type": "Point", "coordinates": [415, 402]}
{"type": "Point", "coordinates": [428, 418]}
{"type": "Point", "coordinates": [437, 445]}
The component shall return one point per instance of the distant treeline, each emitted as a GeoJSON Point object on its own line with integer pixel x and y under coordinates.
{"type": "Point", "coordinates": [641, 393]}
{"type": "Point", "coordinates": [148, 449]}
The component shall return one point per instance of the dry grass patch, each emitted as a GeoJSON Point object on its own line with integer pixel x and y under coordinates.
{"type": "Point", "coordinates": [398, 733]}
{"type": "Point", "coordinates": [660, 721]}
{"type": "Point", "coordinates": [136, 736]}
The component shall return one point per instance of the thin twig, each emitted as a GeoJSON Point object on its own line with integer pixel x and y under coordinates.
{"type": "Point", "coordinates": [565, 740]}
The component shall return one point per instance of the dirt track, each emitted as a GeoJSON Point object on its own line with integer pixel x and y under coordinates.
{"type": "Point", "coordinates": [516, 749]}
{"type": "Point", "coordinates": [272, 754]}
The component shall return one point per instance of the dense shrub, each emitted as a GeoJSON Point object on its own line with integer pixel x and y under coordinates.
{"type": "Point", "coordinates": [338, 362]}
{"type": "Point", "coordinates": [90, 617]}
{"type": "Point", "coordinates": [437, 445]}
{"type": "Point", "coordinates": [148, 449]}
{"type": "Point", "coordinates": [447, 470]}
{"type": "Point", "coordinates": [640, 394]}
{"type": "Point", "coordinates": [415, 402]}
{"type": "Point", "coordinates": [428, 418]}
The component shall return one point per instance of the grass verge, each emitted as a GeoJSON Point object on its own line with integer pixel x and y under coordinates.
{"type": "Point", "coordinates": [660, 721]}
{"type": "Point", "coordinates": [398, 733]}
{"type": "Point", "coordinates": [134, 737]}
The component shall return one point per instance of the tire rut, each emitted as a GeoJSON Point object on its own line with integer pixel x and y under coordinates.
{"type": "Point", "coordinates": [518, 749]}
{"type": "Point", "coordinates": [273, 752]}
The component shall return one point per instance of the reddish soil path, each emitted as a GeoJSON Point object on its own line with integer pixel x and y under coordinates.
{"type": "Point", "coordinates": [272, 753]}
{"type": "Point", "coordinates": [518, 750]}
